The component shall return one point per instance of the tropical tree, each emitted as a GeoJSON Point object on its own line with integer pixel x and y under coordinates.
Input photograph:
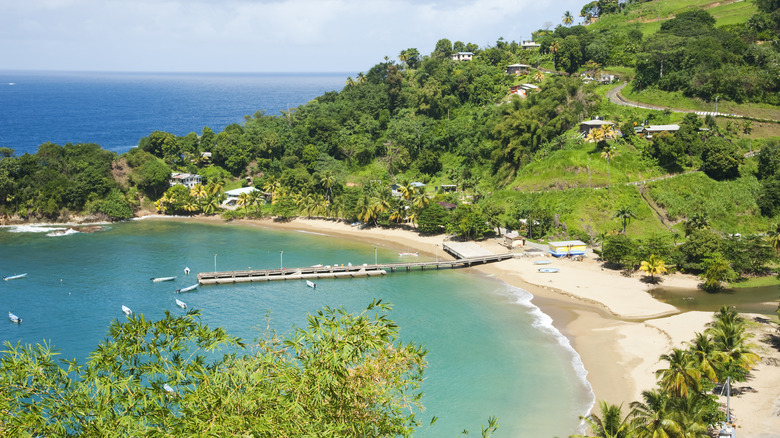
{"type": "Point", "coordinates": [568, 18]}
{"type": "Point", "coordinates": [728, 335]}
{"type": "Point", "coordinates": [608, 155]}
{"type": "Point", "coordinates": [681, 375]}
{"type": "Point", "coordinates": [625, 214]}
{"type": "Point", "coordinates": [774, 236]}
{"type": "Point", "coordinates": [198, 191]}
{"type": "Point", "coordinates": [705, 356]}
{"type": "Point", "coordinates": [610, 424]}
{"type": "Point", "coordinates": [697, 221]}
{"type": "Point", "coordinates": [655, 265]}
{"type": "Point", "coordinates": [717, 271]}
{"type": "Point", "coordinates": [653, 417]}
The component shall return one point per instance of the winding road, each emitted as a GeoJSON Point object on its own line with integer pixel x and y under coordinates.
{"type": "Point", "coordinates": [615, 97]}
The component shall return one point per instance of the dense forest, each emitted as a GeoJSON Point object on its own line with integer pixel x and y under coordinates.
{"type": "Point", "coordinates": [383, 149]}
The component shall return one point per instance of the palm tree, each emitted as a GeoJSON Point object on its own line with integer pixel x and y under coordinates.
{"type": "Point", "coordinates": [198, 191]}
{"type": "Point", "coordinates": [681, 376]}
{"type": "Point", "coordinates": [272, 186]}
{"type": "Point", "coordinates": [327, 179]}
{"type": "Point", "coordinates": [611, 423]}
{"type": "Point", "coordinates": [625, 214]}
{"type": "Point", "coordinates": [568, 18]}
{"type": "Point", "coordinates": [655, 265]}
{"type": "Point", "coordinates": [731, 341]}
{"type": "Point", "coordinates": [609, 154]}
{"type": "Point", "coordinates": [697, 221]}
{"type": "Point", "coordinates": [652, 417]}
{"type": "Point", "coordinates": [538, 77]}
{"type": "Point", "coordinates": [361, 78]}
{"type": "Point", "coordinates": [774, 237]}
{"type": "Point", "coordinates": [350, 82]}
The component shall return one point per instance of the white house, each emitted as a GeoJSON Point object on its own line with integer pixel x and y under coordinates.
{"type": "Point", "coordinates": [462, 56]}
{"type": "Point", "coordinates": [530, 45]}
{"type": "Point", "coordinates": [233, 195]}
{"type": "Point", "coordinates": [186, 179]}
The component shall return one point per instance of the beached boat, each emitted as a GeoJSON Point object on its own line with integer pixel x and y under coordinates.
{"type": "Point", "coordinates": [159, 279]}
{"type": "Point", "coordinates": [543, 262]}
{"type": "Point", "coordinates": [311, 284]}
{"type": "Point", "coordinates": [412, 254]}
{"type": "Point", "coordinates": [15, 319]}
{"type": "Point", "coordinates": [127, 310]}
{"type": "Point", "coordinates": [318, 265]}
{"type": "Point", "coordinates": [14, 277]}
{"type": "Point", "coordinates": [181, 304]}
{"type": "Point", "coordinates": [186, 289]}
{"type": "Point", "coordinates": [549, 270]}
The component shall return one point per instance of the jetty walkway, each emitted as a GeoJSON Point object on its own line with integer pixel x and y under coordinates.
{"type": "Point", "coordinates": [366, 270]}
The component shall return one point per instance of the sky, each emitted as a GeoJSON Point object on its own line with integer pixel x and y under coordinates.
{"type": "Point", "coordinates": [253, 35]}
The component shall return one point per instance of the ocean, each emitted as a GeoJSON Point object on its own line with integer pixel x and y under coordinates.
{"type": "Point", "coordinates": [115, 110]}
{"type": "Point", "coordinates": [492, 352]}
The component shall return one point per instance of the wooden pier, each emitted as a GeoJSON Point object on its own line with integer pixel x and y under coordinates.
{"type": "Point", "coordinates": [259, 275]}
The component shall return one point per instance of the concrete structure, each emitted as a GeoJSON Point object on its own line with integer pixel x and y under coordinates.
{"type": "Point", "coordinates": [567, 248]}
{"type": "Point", "coordinates": [589, 125]}
{"type": "Point", "coordinates": [186, 179]}
{"type": "Point", "coordinates": [462, 56]}
{"type": "Point", "coordinates": [517, 69]}
{"type": "Point", "coordinates": [523, 89]}
{"type": "Point", "coordinates": [649, 130]}
{"type": "Point", "coordinates": [513, 240]}
{"type": "Point", "coordinates": [530, 45]}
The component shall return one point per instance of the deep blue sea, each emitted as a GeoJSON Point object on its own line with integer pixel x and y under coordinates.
{"type": "Point", "coordinates": [491, 351]}
{"type": "Point", "coordinates": [115, 110]}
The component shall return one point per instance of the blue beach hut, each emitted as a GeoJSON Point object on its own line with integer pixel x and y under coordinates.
{"type": "Point", "coordinates": [567, 248]}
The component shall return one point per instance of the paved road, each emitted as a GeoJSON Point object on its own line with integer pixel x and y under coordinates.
{"type": "Point", "coordinates": [615, 97]}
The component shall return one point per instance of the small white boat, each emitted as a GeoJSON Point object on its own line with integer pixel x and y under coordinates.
{"type": "Point", "coordinates": [311, 284]}
{"type": "Point", "coordinates": [187, 271]}
{"type": "Point", "coordinates": [15, 319]}
{"type": "Point", "coordinates": [412, 254]}
{"type": "Point", "coordinates": [14, 277]}
{"type": "Point", "coordinates": [181, 304]}
{"type": "Point", "coordinates": [543, 262]}
{"type": "Point", "coordinates": [159, 279]}
{"type": "Point", "coordinates": [549, 270]}
{"type": "Point", "coordinates": [127, 310]}
{"type": "Point", "coordinates": [168, 389]}
{"type": "Point", "coordinates": [186, 289]}
{"type": "Point", "coordinates": [319, 265]}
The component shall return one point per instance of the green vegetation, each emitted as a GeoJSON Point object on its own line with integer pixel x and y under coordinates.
{"type": "Point", "coordinates": [683, 403]}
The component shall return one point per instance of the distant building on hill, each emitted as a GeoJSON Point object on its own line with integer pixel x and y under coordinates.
{"type": "Point", "coordinates": [589, 125]}
{"type": "Point", "coordinates": [462, 56]}
{"type": "Point", "coordinates": [186, 179]}
{"type": "Point", "coordinates": [523, 89]}
{"type": "Point", "coordinates": [649, 130]}
{"type": "Point", "coordinates": [517, 69]}
{"type": "Point", "coordinates": [530, 45]}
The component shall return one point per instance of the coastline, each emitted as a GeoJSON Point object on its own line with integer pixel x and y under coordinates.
{"type": "Point", "coordinates": [611, 321]}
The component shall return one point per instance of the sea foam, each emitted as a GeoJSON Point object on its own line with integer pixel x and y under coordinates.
{"type": "Point", "coordinates": [44, 228]}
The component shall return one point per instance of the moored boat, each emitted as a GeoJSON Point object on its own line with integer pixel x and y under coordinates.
{"type": "Point", "coordinates": [186, 289]}
{"type": "Point", "coordinates": [311, 284]}
{"type": "Point", "coordinates": [549, 270]}
{"type": "Point", "coordinates": [543, 262]}
{"type": "Point", "coordinates": [15, 319]}
{"type": "Point", "coordinates": [127, 310]}
{"type": "Point", "coordinates": [412, 254]}
{"type": "Point", "coordinates": [181, 304]}
{"type": "Point", "coordinates": [159, 279]}
{"type": "Point", "coordinates": [14, 277]}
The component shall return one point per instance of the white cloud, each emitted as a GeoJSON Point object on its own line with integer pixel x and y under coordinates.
{"type": "Point", "coordinates": [251, 35]}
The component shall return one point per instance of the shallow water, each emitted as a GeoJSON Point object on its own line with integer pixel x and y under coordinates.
{"type": "Point", "coordinates": [491, 352]}
{"type": "Point", "coordinates": [762, 300]}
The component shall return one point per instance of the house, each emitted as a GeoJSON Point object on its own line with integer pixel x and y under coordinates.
{"type": "Point", "coordinates": [462, 56]}
{"type": "Point", "coordinates": [649, 130]}
{"type": "Point", "coordinates": [567, 248]}
{"type": "Point", "coordinates": [603, 78]}
{"type": "Point", "coordinates": [448, 188]}
{"type": "Point", "coordinates": [517, 69]}
{"type": "Point", "coordinates": [513, 239]}
{"type": "Point", "coordinates": [530, 45]}
{"type": "Point", "coordinates": [523, 89]}
{"type": "Point", "coordinates": [589, 125]}
{"type": "Point", "coordinates": [186, 179]}
{"type": "Point", "coordinates": [232, 196]}
{"type": "Point", "coordinates": [415, 185]}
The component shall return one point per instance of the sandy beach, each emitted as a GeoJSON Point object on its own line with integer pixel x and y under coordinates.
{"type": "Point", "coordinates": [611, 320]}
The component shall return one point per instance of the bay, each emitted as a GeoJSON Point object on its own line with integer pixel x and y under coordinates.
{"type": "Point", "coordinates": [115, 110]}
{"type": "Point", "coordinates": [491, 352]}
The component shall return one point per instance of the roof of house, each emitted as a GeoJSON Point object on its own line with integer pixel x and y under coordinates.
{"type": "Point", "coordinates": [519, 65]}
{"type": "Point", "coordinates": [660, 128]}
{"type": "Point", "coordinates": [238, 192]}
{"type": "Point", "coordinates": [177, 175]}
{"type": "Point", "coordinates": [568, 243]}
{"type": "Point", "coordinates": [596, 122]}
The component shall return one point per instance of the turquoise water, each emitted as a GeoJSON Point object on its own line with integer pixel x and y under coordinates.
{"type": "Point", "coordinates": [491, 352]}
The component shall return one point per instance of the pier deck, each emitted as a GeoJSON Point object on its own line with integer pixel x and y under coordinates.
{"type": "Point", "coordinates": [379, 269]}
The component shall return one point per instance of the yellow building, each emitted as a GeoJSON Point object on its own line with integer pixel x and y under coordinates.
{"type": "Point", "coordinates": [567, 248]}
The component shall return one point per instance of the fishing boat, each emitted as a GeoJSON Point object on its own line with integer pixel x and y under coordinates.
{"type": "Point", "coordinates": [412, 254]}
{"type": "Point", "coordinates": [127, 310]}
{"type": "Point", "coordinates": [543, 262]}
{"type": "Point", "coordinates": [186, 289]}
{"type": "Point", "coordinates": [15, 319]}
{"type": "Point", "coordinates": [14, 277]}
{"type": "Point", "coordinates": [549, 270]}
{"type": "Point", "coordinates": [159, 279]}
{"type": "Point", "coordinates": [181, 304]}
{"type": "Point", "coordinates": [311, 284]}
{"type": "Point", "coordinates": [168, 389]}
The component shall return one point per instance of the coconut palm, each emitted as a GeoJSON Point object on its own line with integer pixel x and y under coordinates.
{"type": "Point", "coordinates": [327, 179]}
{"type": "Point", "coordinates": [611, 423]}
{"type": "Point", "coordinates": [697, 221]}
{"type": "Point", "coordinates": [198, 191]}
{"type": "Point", "coordinates": [568, 18]}
{"type": "Point", "coordinates": [538, 77]}
{"type": "Point", "coordinates": [210, 204]}
{"type": "Point", "coordinates": [397, 210]}
{"type": "Point", "coordinates": [272, 186]}
{"type": "Point", "coordinates": [350, 82]}
{"type": "Point", "coordinates": [625, 214]}
{"type": "Point", "coordinates": [731, 341]}
{"type": "Point", "coordinates": [243, 200]}
{"type": "Point", "coordinates": [704, 355]}
{"type": "Point", "coordinates": [774, 237]}
{"type": "Point", "coordinates": [654, 265]}
{"type": "Point", "coordinates": [681, 376]}
{"type": "Point", "coordinates": [608, 155]}
{"type": "Point", "coordinates": [652, 418]}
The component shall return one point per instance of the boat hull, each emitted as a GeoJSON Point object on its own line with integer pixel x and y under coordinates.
{"type": "Point", "coordinates": [186, 289]}
{"type": "Point", "coordinates": [14, 277]}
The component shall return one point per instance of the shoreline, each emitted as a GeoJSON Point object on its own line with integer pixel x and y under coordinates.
{"type": "Point", "coordinates": [615, 326]}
